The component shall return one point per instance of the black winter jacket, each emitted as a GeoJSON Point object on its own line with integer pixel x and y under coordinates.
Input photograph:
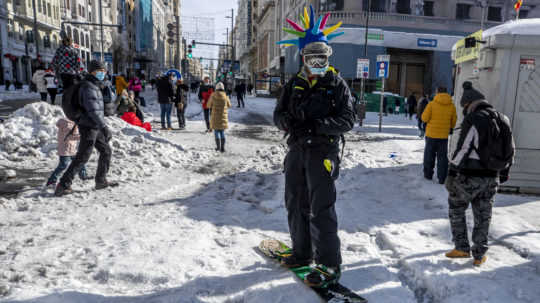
{"type": "Point", "coordinates": [91, 100]}
{"type": "Point", "coordinates": [165, 90]}
{"type": "Point", "coordinates": [204, 88]}
{"type": "Point", "coordinates": [322, 110]}
{"type": "Point", "coordinates": [473, 137]}
{"type": "Point", "coordinates": [181, 95]}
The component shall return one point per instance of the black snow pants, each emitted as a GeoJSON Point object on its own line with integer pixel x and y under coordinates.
{"type": "Point", "coordinates": [436, 149]}
{"type": "Point", "coordinates": [310, 195]}
{"type": "Point", "coordinates": [90, 138]}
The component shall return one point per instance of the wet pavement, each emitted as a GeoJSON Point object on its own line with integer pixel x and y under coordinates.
{"type": "Point", "coordinates": [9, 106]}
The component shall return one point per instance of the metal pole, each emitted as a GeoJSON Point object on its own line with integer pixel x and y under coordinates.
{"type": "Point", "coordinates": [483, 16]}
{"type": "Point", "coordinates": [381, 106]}
{"type": "Point", "coordinates": [363, 85]}
{"type": "Point", "coordinates": [177, 59]}
{"type": "Point", "coordinates": [36, 34]}
{"type": "Point", "coordinates": [232, 34]}
{"type": "Point", "coordinates": [100, 27]}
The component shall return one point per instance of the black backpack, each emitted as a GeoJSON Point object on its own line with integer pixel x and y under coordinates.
{"type": "Point", "coordinates": [500, 149]}
{"type": "Point", "coordinates": [70, 102]}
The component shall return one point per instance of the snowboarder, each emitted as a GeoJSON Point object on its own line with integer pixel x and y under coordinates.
{"type": "Point", "coordinates": [472, 179]}
{"type": "Point", "coordinates": [218, 104]}
{"type": "Point", "coordinates": [93, 131]}
{"type": "Point", "coordinates": [440, 117]}
{"type": "Point", "coordinates": [315, 109]}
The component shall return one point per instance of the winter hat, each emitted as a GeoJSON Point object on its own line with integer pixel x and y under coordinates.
{"type": "Point", "coordinates": [95, 65]}
{"type": "Point", "coordinates": [220, 86]}
{"type": "Point", "coordinates": [470, 94]}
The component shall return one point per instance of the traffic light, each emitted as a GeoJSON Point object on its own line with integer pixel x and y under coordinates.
{"type": "Point", "coordinates": [193, 43]}
{"type": "Point", "coordinates": [189, 52]}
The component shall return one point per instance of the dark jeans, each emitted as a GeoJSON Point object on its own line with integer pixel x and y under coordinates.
{"type": "Point", "coordinates": [181, 118]}
{"type": "Point", "coordinates": [219, 134]}
{"type": "Point", "coordinates": [207, 118]}
{"type": "Point", "coordinates": [310, 196]}
{"type": "Point", "coordinates": [166, 109]}
{"type": "Point", "coordinates": [52, 93]}
{"type": "Point", "coordinates": [62, 165]}
{"type": "Point", "coordinates": [43, 96]}
{"type": "Point", "coordinates": [436, 149]}
{"type": "Point", "coordinates": [240, 99]}
{"type": "Point", "coordinates": [90, 138]}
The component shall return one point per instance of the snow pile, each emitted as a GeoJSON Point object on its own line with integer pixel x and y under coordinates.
{"type": "Point", "coordinates": [30, 136]}
{"type": "Point", "coordinates": [520, 27]}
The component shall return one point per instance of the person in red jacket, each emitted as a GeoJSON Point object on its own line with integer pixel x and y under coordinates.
{"type": "Point", "coordinates": [131, 118]}
{"type": "Point", "coordinates": [205, 91]}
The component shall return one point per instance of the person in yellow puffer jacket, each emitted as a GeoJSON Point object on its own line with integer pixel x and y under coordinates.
{"type": "Point", "coordinates": [440, 116]}
{"type": "Point", "coordinates": [121, 84]}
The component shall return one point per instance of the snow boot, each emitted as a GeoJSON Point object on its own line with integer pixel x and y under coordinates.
{"type": "Point", "coordinates": [218, 143]}
{"type": "Point", "coordinates": [51, 183]}
{"type": "Point", "coordinates": [478, 262]}
{"type": "Point", "coordinates": [222, 145]}
{"type": "Point", "coordinates": [456, 253]}
{"type": "Point", "coordinates": [321, 276]}
{"type": "Point", "coordinates": [62, 190]}
{"type": "Point", "coordinates": [102, 185]}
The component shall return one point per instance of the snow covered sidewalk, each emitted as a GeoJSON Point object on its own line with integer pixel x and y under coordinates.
{"type": "Point", "coordinates": [184, 222]}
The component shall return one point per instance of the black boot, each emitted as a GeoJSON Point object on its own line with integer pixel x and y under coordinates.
{"type": "Point", "coordinates": [222, 145]}
{"type": "Point", "coordinates": [218, 148]}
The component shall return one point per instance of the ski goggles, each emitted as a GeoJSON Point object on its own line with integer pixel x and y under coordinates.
{"type": "Point", "coordinates": [316, 61]}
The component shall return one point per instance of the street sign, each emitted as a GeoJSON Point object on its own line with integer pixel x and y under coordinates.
{"type": "Point", "coordinates": [383, 64]}
{"type": "Point", "coordinates": [362, 68]}
{"type": "Point", "coordinates": [108, 57]}
{"type": "Point", "coordinates": [176, 73]}
{"type": "Point", "coordinates": [421, 42]}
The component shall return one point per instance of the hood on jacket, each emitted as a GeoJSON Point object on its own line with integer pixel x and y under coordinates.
{"type": "Point", "coordinates": [443, 99]}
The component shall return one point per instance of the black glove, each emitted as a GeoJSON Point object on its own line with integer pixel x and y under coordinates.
{"type": "Point", "coordinates": [285, 122]}
{"type": "Point", "coordinates": [107, 133]}
{"type": "Point", "coordinates": [503, 178]}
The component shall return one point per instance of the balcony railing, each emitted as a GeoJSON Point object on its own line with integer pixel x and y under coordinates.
{"type": "Point", "coordinates": [354, 17]}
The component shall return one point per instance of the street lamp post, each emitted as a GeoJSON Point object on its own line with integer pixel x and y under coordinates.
{"type": "Point", "coordinates": [36, 34]}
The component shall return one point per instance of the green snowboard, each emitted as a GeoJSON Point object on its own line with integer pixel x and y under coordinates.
{"type": "Point", "coordinates": [334, 293]}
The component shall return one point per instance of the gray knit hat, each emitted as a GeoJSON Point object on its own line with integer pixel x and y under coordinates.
{"type": "Point", "coordinates": [470, 94]}
{"type": "Point", "coordinates": [95, 65]}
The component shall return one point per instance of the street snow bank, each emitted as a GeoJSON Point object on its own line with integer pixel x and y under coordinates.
{"type": "Point", "coordinates": [30, 136]}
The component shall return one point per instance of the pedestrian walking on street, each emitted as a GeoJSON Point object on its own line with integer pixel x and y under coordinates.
{"type": "Point", "coordinates": [165, 90]}
{"type": "Point", "coordinates": [67, 62]}
{"type": "Point", "coordinates": [440, 117]}
{"type": "Point", "coordinates": [411, 104]}
{"type": "Point", "coordinates": [135, 85]}
{"type": "Point", "coordinates": [481, 160]}
{"type": "Point", "coordinates": [68, 139]}
{"type": "Point", "coordinates": [205, 91]}
{"type": "Point", "coordinates": [181, 102]}
{"type": "Point", "coordinates": [240, 90]}
{"type": "Point", "coordinates": [51, 85]}
{"type": "Point", "coordinates": [315, 110]}
{"type": "Point", "coordinates": [41, 84]}
{"type": "Point", "coordinates": [93, 132]}
{"type": "Point", "coordinates": [419, 111]}
{"type": "Point", "coordinates": [219, 104]}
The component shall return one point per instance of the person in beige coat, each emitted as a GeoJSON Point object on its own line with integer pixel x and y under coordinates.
{"type": "Point", "coordinates": [219, 103]}
{"type": "Point", "coordinates": [68, 139]}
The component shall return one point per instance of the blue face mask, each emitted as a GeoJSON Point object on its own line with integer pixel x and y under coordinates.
{"type": "Point", "coordinates": [318, 70]}
{"type": "Point", "coordinates": [100, 76]}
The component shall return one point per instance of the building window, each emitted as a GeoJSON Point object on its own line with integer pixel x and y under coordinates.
{"type": "Point", "coordinates": [523, 14]}
{"type": "Point", "coordinates": [76, 36]}
{"type": "Point", "coordinates": [87, 41]}
{"type": "Point", "coordinates": [90, 16]}
{"type": "Point", "coordinates": [494, 14]}
{"type": "Point", "coordinates": [376, 6]}
{"type": "Point", "coordinates": [39, 7]}
{"type": "Point", "coordinates": [428, 8]}
{"type": "Point", "coordinates": [463, 11]}
{"type": "Point", "coordinates": [331, 5]}
{"type": "Point", "coordinates": [10, 27]}
{"type": "Point", "coordinates": [49, 9]}
{"type": "Point", "coordinates": [403, 7]}
{"type": "Point", "coordinates": [83, 43]}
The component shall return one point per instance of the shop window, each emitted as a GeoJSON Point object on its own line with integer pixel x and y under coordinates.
{"type": "Point", "coordinates": [331, 5]}
{"type": "Point", "coordinates": [494, 14]}
{"type": "Point", "coordinates": [403, 7]}
{"type": "Point", "coordinates": [428, 8]}
{"type": "Point", "coordinates": [463, 11]}
{"type": "Point", "coordinates": [376, 6]}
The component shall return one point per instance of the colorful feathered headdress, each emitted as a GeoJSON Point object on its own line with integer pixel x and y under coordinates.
{"type": "Point", "coordinates": [313, 32]}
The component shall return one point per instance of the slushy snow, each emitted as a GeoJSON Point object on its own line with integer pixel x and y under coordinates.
{"type": "Point", "coordinates": [184, 222]}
